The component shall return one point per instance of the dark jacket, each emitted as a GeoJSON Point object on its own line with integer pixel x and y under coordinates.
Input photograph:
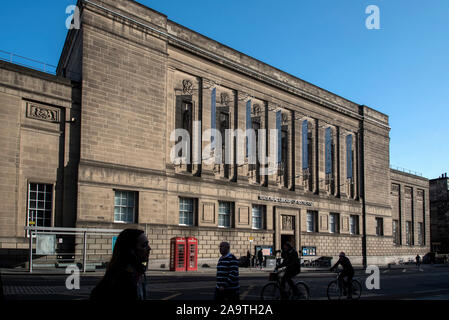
{"type": "Point", "coordinates": [345, 263]}
{"type": "Point", "coordinates": [291, 260]}
{"type": "Point", "coordinates": [120, 285]}
{"type": "Point", "coordinates": [228, 273]}
{"type": "Point", "coordinates": [260, 255]}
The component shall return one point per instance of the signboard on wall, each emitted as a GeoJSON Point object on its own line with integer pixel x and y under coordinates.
{"type": "Point", "coordinates": [309, 251]}
{"type": "Point", "coordinates": [266, 250]}
{"type": "Point", "coordinates": [45, 244]}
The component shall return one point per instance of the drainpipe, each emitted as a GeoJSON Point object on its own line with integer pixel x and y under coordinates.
{"type": "Point", "coordinates": [362, 185]}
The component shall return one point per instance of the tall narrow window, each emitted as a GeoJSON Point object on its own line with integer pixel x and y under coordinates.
{"type": "Point", "coordinates": [249, 142]}
{"type": "Point", "coordinates": [349, 157]}
{"type": "Point", "coordinates": [354, 224]}
{"type": "Point", "coordinates": [258, 216]}
{"type": "Point", "coordinates": [334, 223]}
{"type": "Point", "coordinates": [312, 221]}
{"type": "Point", "coordinates": [184, 120]}
{"type": "Point", "coordinates": [186, 212]}
{"type": "Point", "coordinates": [224, 214]}
{"type": "Point", "coordinates": [40, 203]}
{"type": "Point", "coordinates": [279, 136]}
{"type": "Point", "coordinates": [125, 206]}
{"type": "Point", "coordinates": [379, 226]}
{"type": "Point", "coordinates": [396, 233]}
{"type": "Point", "coordinates": [328, 151]}
{"type": "Point", "coordinates": [213, 107]}
{"type": "Point", "coordinates": [224, 124]}
{"type": "Point", "coordinates": [408, 233]}
{"type": "Point", "coordinates": [305, 145]}
{"type": "Point", "coordinates": [256, 126]}
{"type": "Point", "coordinates": [284, 163]}
{"type": "Point", "coordinates": [420, 234]}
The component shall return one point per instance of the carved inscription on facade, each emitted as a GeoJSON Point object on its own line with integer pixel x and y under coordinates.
{"type": "Point", "coordinates": [40, 112]}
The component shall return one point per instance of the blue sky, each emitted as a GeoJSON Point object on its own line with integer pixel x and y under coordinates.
{"type": "Point", "coordinates": [401, 69]}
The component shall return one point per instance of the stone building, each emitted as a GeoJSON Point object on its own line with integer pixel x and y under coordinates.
{"type": "Point", "coordinates": [96, 142]}
{"type": "Point", "coordinates": [439, 214]}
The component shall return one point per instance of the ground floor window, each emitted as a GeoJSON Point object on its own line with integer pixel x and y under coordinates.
{"type": "Point", "coordinates": [420, 234]}
{"type": "Point", "coordinates": [312, 221]}
{"type": "Point", "coordinates": [379, 226]}
{"type": "Point", "coordinates": [396, 234]}
{"type": "Point", "coordinates": [224, 214]}
{"type": "Point", "coordinates": [334, 222]}
{"type": "Point", "coordinates": [186, 213]}
{"type": "Point", "coordinates": [408, 233]}
{"type": "Point", "coordinates": [258, 216]}
{"type": "Point", "coordinates": [40, 204]}
{"type": "Point", "coordinates": [125, 209]}
{"type": "Point", "coordinates": [354, 224]}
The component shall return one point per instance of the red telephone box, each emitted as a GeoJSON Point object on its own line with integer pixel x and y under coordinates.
{"type": "Point", "coordinates": [192, 254]}
{"type": "Point", "coordinates": [178, 254]}
{"type": "Point", "coordinates": [183, 254]}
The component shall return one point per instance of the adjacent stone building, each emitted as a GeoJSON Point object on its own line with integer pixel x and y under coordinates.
{"type": "Point", "coordinates": [96, 143]}
{"type": "Point", "coordinates": [439, 214]}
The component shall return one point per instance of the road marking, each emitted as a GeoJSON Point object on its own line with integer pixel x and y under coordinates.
{"type": "Point", "coordinates": [404, 270]}
{"type": "Point", "coordinates": [244, 294]}
{"type": "Point", "coordinates": [172, 296]}
{"type": "Point", "coordinates": [430, 291]}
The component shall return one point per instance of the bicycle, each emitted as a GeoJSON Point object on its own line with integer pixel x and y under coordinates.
{"type": "Point", "coordinates": [272, 290]}
{"type": "Point", "coordinates": [334, 291]}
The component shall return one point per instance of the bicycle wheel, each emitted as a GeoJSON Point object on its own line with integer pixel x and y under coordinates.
{"type": "Point", "coordinates": [356, 289]}
{"type": "Point", "coordinates": [303, 291]}
{"type": "Point", "coordinates": [270, 291]}
{"type": "Point", "coordinates": [333, 291]}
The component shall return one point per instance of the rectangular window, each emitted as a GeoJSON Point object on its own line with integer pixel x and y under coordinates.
{"type": "Point", "coordinates": [125, 209]}
{"type": "Point", "coordinates": [349, 157]}
{"type": "Point", "coordinates": [40, 204]}
{"type": "Point", "coordinates": [328, 151]}
{"type": "Point", "coordinates": [354, 224]}
{"type": "Point", "coordinates": [184, 120]}
{"type": "Point", "coordinates": [420, 234]}
{"type": "Point", "coordinates": [379, 226]}
{"type": "Point", "coordinates": [334, 223]}
{"type": "Point", "coordinates": [186, 212]}
{"type": "Point", "coordinates": [396, 234]}
{"type": "Point", "coordinates": [305, 145]}
{"type": "Point", "coordinates": [284, 162]}
{"type": "Point", "coordinates": [258, 216]}
{"type": "Point", "coordinates": [408, 232]}
{"type": "Point", "coordinates": [224, 214]}
{"type": "Point", "coordinates": [312, 221]}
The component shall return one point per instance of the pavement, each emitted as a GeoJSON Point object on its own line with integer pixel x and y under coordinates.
{"type": "Point", "coordinates": [430, 282]}
{"type": "Point", "coordinates": [212, 270]}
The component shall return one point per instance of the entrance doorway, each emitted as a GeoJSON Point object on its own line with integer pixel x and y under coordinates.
{"type": "Point", "coordinates": [288, 238]}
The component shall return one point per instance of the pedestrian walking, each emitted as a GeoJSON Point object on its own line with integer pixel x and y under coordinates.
{"type": "Point", "coordinates": [228, 287]}
{"type": "Point", "coordinates": [260, 258]}
{"type": "Point", "coordinates": [418, 261]}
{"type": "Point", "coordinates": [248, 258]}
{"type": "Point", "coordinates": [125, 276]}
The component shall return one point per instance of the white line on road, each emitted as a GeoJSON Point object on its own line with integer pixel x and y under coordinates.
{"type": "Point", "coordinates": [172, 296]}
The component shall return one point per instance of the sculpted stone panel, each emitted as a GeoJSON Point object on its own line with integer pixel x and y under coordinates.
{"type": "Point", "coordinates": [40, 112]}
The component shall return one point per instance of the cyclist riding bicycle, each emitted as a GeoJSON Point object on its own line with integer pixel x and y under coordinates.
{"type": "Point", "coordinates": [293, 267]}
{"type": "Point", "coordinates": [348, 271]}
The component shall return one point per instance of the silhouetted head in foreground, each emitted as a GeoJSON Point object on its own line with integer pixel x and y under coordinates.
{"type": "Point", "coordinates": [125, 277]}
{"type": "Point", "coordinates": [131, 249]}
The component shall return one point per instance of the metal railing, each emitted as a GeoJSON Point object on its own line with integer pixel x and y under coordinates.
{"type": "Point", "coordinates": [27, 62]}
{"type": "Point", "coordinates": [405, 170]}
{"type": "Point", "coordinates": [48, 246]}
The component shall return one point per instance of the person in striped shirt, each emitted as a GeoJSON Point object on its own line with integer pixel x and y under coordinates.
{"type": "Point", "coordinates": [228, 287]}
